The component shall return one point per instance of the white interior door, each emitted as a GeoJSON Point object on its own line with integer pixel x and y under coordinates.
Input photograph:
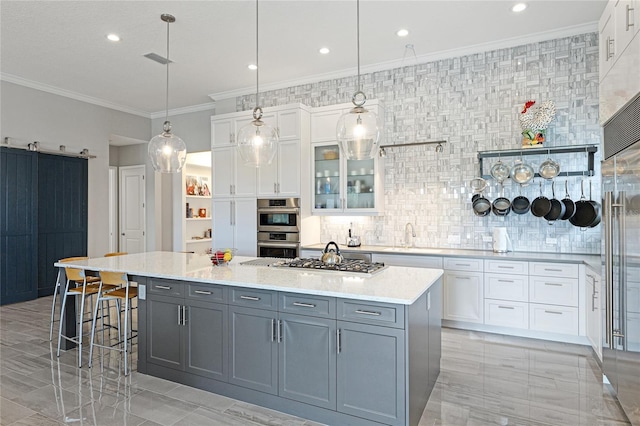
{"type": "Point", "coordinates": [132, 209]}
{"type": "Point", "coordinates": [113, 209]}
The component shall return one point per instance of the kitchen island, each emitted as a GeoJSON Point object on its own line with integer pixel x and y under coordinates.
{"type": "Point", "coordinates": [334, 347]}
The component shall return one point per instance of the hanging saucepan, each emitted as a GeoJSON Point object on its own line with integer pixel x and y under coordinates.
{"type": "Point", "coordinates": [549, 169]}
{"type": "Point", "coordinates": [478, 184]}
{"type": "Point", "coordinates": [481, 205]}
{"type": "Point", "coordinates": [569, 205]}
{"type": "Point", "coordinates": [597, 207]}
{"type": "Point", "coordinates": [541, 205]}
{"type": "Point", "coordinates": [522, 173]}
{"type": "Point", "coordinates": [501, 206]}
{"type": "Point", "coordinates": [500, 171]}
{"type": "Point", "coordinates": [557, 207]}
{"type": "Point", "coordinates": [586, 212]}
{"type": "Point", "coordinates": [520, 204]}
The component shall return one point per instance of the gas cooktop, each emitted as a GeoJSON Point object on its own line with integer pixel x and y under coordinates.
{"type": "Point", "coordinates": [346, 266]}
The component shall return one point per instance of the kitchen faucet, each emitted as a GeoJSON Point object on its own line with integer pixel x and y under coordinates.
{"type": "Point", "coordinates": [408, 236]}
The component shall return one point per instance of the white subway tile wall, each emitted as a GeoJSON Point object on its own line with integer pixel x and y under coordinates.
{"type": "Point", "coordinates": [473, 102]}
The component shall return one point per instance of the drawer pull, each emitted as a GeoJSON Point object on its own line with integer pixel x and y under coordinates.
{"type": "Point", "coordinates": [554, 284]}
{"type": "Point", "coordinates": [373, 313]}
{"type": "Point", "coordinates": [506, 307]}
{"type": "Point", "coordinates": [304, 305]}
{"type": "Point", "coordinates": [163, 287]}
{"type": "Point", "coordinates": [463, 264]}
{"type": "Point", "coordinates": [506, 281]}
{"type": "Point", "coordinates": [505, 267]}
{"type": "Point", "coordinates": [253, 298]}
{"type": "Point", "coordinates": [553, 312]}
{"type": "Point", "coordinates": [208, 293]}
{"type": "Point", "coordinates": [462, 278]}
{"type": "Point", "coordinates": [552, 270]}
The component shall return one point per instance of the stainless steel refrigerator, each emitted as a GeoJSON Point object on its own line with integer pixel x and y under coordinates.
{"type": "Point", "coordinates": [621, 256]}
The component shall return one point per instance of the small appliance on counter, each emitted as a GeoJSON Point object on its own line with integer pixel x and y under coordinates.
{"type": "Point", "coordinates": [352, 240]}
{"type": "Point", "coordinates": [501, 240]}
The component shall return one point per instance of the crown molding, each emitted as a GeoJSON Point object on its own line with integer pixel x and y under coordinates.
{"type": "Point", "coordinates": [69, 94]}
{"type": "Point", "coordinates": [184, 110]}
{"type": "Point", "coordinates": [431, 57]}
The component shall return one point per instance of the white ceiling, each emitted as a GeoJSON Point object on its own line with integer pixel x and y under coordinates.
{"type": "Point", "coordinates": [60, 46]}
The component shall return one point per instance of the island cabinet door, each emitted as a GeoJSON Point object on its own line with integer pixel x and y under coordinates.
{"type": "Point", "coordinates": [307, 370]}
{"type": "Point", "coordinates": [205, 340]}
{"type": "Point", "coordinates": [370, 372]}
{"type": "Point", "coordinates": [253, 349]}
{"type": "Point", "coordinates": [164, 315]}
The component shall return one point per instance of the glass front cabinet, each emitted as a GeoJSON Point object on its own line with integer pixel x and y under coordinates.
{"type": "Point", "coordinates": [341, 186]}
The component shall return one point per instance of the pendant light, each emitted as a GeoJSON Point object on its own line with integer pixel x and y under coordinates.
{"type": "Point", "coordinates": [358, 131]}
{"type": "Point", "coordinates": [167, 151]}
{"type": "Point", "coordinates": [257, 141]}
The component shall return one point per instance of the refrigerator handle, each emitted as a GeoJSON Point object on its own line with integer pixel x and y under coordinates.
{"type": "Point", "coordinates": [608, 267]}
{"type": "Point", "coordinates": [622, 228]}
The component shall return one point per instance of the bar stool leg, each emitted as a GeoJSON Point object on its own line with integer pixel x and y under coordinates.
{"type": "Point", "coordinates": [53, 305]}
{"type": "Point", "coordinates": [64, 303]}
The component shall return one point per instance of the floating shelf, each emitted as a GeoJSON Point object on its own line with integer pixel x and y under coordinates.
{"type": "Point", "coordinates": [198, 218]}
{"type": "Point", "coordinates": [198, 196]}
{"type": "Point", "coordinates": [588, 150]}
{"type": "Point", "coordinates": [201, 240]}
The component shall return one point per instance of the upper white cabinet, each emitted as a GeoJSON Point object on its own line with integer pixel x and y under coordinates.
{"type": "Point", "coordinates": [231, 177]}
{"type": "Point", "coordinates": [619, 27]}
{"type": "Point", "coordinates": [341, 186]}
{"type": "Point", "coordinates": [282, 177]}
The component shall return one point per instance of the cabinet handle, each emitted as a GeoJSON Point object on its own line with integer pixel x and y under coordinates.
{"type": "Point", "coordinates": [553, 284]}
{"type": "Point", "coordinates": [208, 293]}
{"type": "Point", "coordinates": [163, 287]}
{"type": "Point", "coordinates": [179, 315]}
{"type": "Point", "coordinates": [506, 307]}
{"type": "Point", "coordinates": [591, 276]}
{"type": "Point", "coordinates": [462, 264]}
{"type": "Point", "coordinates": [505, 267]}
{"type": "Point", "coordinates": [184, 315]}
{"type": "Point", "coordinates": [372, 313]}
{"type": "Point", "coordinates": [273, 330]}
{"type": "Point", "coordinates": [506, 281]}
{"type": "Point", "coordinates": [232, 137]}
{"type": "Point", "coordinates": [462, 278]}
{"type": "Point", "coordinates": [553, 312]}
{"type": "Point", "coordinates": [278, 187]}
{"type": "Point", "coordinates": [280, 331]}
{"type": "Point", "coordinates": [304, 305]}
{"type": "Point", "coordinates": [610, 48]}
{"type": "Point", "coordinates": [339, 340]}
{"type": "Point", "coordinates": [552, 270]}
{"type": "Point", "coordinates": [253, 298]}
{"type": "Point", "coordinates": [629, 23]}
{"type": "Point", "coordinates": [275, 188]}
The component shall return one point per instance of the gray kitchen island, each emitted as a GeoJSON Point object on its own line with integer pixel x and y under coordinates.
{"type": "Point", "coordinates": [336, 347]}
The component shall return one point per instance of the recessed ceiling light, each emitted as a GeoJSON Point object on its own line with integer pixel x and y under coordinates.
{"type": "Point", "coordinates": [324, 50]}
{"type": "Point", "coordinates": [252, 67]}
{"type": "Point", "coordinates": [113, 37]}
{"type": "Point", "coordinates": [519, 7]}
{"type": "Point", "coordinates": [402, 33]}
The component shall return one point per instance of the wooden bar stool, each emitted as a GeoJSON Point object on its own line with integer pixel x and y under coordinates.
{"type": "Point", "coordinates": [124, 291]}
{"type": "Point", "coordinates": [85, 286]}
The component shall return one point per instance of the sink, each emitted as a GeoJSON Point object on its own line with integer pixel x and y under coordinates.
{"type": "Point", "coordinates": [412, 250]}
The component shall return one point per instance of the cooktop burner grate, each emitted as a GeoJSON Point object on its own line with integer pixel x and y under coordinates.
{"type": "Point", "coordinates": [346, 266]}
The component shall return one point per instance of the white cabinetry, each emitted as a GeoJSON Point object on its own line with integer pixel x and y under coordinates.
{"type": "Point", "coordinates": [463, 291]}
{"type": "Point", "coordinates": [230, 176]}
{"type": "Point", "coordinates": [506, 293]}
{"type": "Point", "coordinates": [340, 186]}
{"type": "Point", "coordinates": [619, 27]}
{"type": "Point", "coordinates": [235, 224]}
{"type": "Point", "coordinates": [594, 317]}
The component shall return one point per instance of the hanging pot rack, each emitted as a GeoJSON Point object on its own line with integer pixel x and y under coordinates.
{"type": "Point", "coordinates": [9, 142]}
{"type": "Point", "coordinates": [438, 144]}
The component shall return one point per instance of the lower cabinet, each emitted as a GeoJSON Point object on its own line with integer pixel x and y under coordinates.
{"type": "Point", "coordinates": [371, 372]}
{"type": "Point", "coordinates": [463, 296]}
{"type": "Point", "coordinates": [594, 317]}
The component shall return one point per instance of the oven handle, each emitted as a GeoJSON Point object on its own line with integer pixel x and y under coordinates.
{"type": "Point", "coordinates": [277, 210]}
{"type": "Point", "coordinates": [276, 244]}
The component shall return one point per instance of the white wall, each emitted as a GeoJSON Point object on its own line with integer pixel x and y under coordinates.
{"type": "Point", "coordinates": [33, 115]}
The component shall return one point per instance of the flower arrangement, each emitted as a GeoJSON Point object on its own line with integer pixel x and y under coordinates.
{"type": "Point", "coordinates": [534, 123]}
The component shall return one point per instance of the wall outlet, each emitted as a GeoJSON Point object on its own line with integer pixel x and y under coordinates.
{"type": "Point", "coordinates": [550, 240]}
{"type": "Point", "coordinates": [454, 239]}
{"type": "Point", "coordinates": [487, 239]}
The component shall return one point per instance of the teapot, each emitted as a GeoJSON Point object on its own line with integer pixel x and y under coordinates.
{"type": "Point", "coordinates": [331, 256]}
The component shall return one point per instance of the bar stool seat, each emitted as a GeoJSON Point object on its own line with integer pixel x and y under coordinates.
{"type": "Point", "coordinates": [85, 286]}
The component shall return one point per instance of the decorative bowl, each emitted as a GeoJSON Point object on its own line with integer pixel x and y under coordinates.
{"type": "Point", "coordinates": [221, 256]}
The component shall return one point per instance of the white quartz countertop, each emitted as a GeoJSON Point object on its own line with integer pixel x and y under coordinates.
{"type": "Point", "coordinates": [395, 284]}
{"type": "Point", "coordinates": [592, 261]}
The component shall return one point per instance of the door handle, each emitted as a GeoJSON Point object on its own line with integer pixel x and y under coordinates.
{"type": "Point", "coordinates": [628, 15]}
{"type": "Point", "coordinates": [123, 234]}
{"type": "Point", "coordinates": [304, 305]}
{"type": "Point", "coordinates": [184, 315]}
{"type": "Point", "coordinates": [179, 315]}
{"type": "Point", "coordinates": [280, 331]}
{"type": "Point", "coordinates": [339, 340]}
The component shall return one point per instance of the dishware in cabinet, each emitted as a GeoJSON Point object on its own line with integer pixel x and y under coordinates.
{"type": "Point", "coordinates": [343, 186]}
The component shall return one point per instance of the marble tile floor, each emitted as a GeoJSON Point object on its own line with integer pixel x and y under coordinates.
{"type": "Point", "coordinates": [486, 379]}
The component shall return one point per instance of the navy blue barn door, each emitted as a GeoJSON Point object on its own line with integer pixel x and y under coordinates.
{"type": "Point", "coordinates": [62, 214]}
{"type": "Point", "coordinates": [18, 225]}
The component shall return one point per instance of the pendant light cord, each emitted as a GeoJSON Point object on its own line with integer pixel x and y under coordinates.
{"type": "Point", "coordinates": [166, 117]}
{"type": "Point", "coordinates": [257, 67]}
{"type": "Point", "coordinates": [358, 38]}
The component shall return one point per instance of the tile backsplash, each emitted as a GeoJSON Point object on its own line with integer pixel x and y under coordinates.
{"type": "Point", "coordinates": [473, 103]}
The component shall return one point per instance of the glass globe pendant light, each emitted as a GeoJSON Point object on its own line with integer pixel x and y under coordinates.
{"type": "Point", "coordinates": [167, 151]}
{"type": "Point", "coordinates": [257, 141]}
{"type": "Point", "coordinates": [358, 131]}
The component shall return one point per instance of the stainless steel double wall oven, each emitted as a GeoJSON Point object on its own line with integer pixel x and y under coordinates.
{"type": "Point", "coordinates": [279, 227]}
